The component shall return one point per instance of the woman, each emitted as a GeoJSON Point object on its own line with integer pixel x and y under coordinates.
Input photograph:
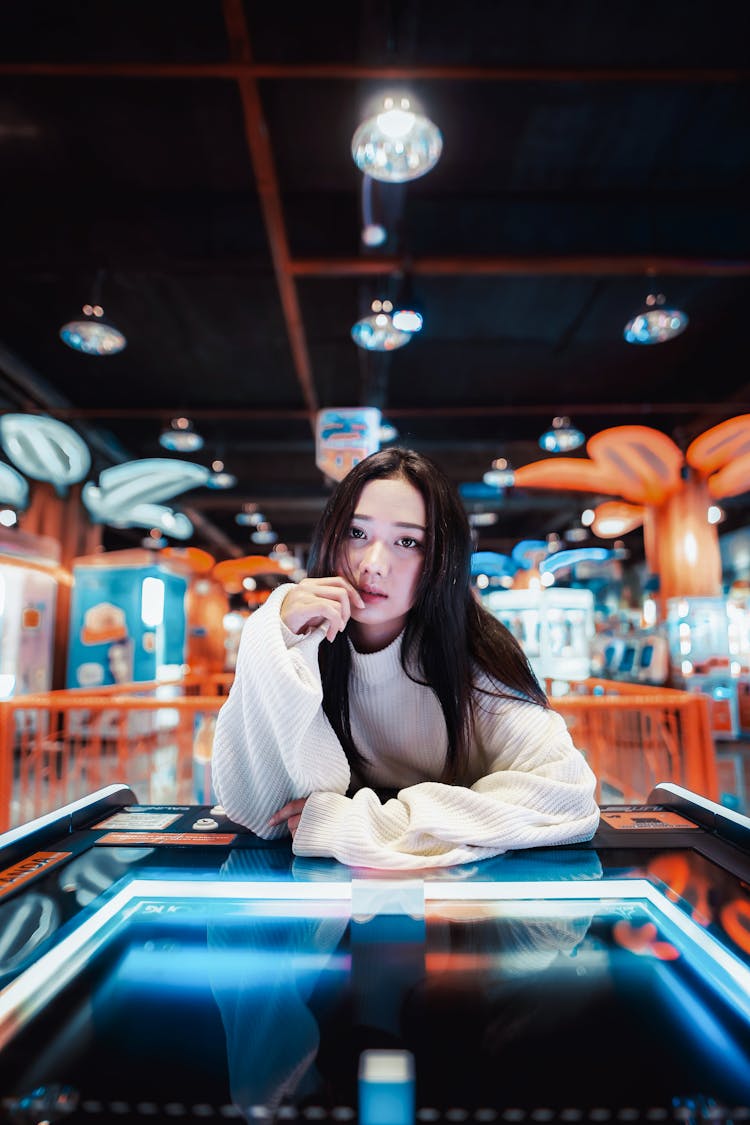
{"type": "Point", "coordinates": [380, 671]}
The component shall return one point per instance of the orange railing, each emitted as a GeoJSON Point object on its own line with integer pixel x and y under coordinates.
{"type": "Point", "coordinates": [209, 683]}
{"type": "Point", "coordinates": [635, 739]}
{"type": "Point", "coordinates": [60, 745]}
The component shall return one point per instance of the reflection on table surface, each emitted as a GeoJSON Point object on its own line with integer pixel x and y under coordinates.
{"type": "Point", "coordinates": [523, 1001]}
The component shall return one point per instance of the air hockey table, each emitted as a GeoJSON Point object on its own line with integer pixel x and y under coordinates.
{"type": "Point", "coordinates": [160, 963]}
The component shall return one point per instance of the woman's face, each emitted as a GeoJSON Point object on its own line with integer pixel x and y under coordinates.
{"type": "Point", "coordinates": [384, 556]}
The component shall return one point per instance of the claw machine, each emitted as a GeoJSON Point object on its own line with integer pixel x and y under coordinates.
{"type": "Point", "coordinates": [704, 657]}
{"type": "Point", "coordinates": [554, 626]}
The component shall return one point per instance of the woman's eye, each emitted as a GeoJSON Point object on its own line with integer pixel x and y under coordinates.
{"type": "Point", "coordinates": [356, 533]}
{"type": "Point", "coordinates": [407, 541]}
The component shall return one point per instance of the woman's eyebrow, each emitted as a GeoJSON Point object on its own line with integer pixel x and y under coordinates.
{"type": "Point", "coordinates": [397, 523]}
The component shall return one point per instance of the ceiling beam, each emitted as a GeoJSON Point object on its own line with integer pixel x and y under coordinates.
{"type": "Point", "coordinates": [261, 155]}
{"type": "Point", "coordinates": [517, 410]}
{"type": "Point", "coordinates": [241, 68]}
{"type": "Point", "coordinates": [523, 265]}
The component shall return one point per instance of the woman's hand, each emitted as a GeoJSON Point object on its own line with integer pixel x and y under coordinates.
{"type": "Point", "coordinates": [320, 601]}
{"type": "Point", "coordinates": [291, 813]}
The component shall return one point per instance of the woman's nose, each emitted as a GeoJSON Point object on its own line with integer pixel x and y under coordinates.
{"type": "Point", "coordinates": [374, 560]}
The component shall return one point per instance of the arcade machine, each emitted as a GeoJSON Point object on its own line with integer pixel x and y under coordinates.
{"type": "Point", "coordinates": [652, 663]}
{"type": "Point", "coordinates": [705, 657]}
{"type": "Point", "coordinates": [709, 654]}
{"type": "Point", "coordinates": [567, 631]}
{"type": "Point", "coordinates": [163, 963]}
{"type": "Point", "coordinates": [553, 625]}
{"type": "Point", "coordinates": [640, 656]}
{"type": "Point", "coordinates": [520, 612]}
{"type": "Point", "coordinates": [28, 593]}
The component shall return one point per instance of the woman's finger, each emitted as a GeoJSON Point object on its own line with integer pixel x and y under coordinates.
{"type": "Point", "coordinates": [334, 587]}
{"type": "Point", "coordinates": [293, 809]}
{"type": "Point", "coordinates": [315, 601]}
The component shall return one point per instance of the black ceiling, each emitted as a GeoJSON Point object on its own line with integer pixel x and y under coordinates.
{"type": "Point", "coordinates": [195, 157]}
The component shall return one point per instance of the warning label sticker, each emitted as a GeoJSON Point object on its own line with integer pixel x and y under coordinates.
{"type": "Point", "coordinates": [170, 839]}
{"type": "Point", "coordinates": [153, 821]}
{"type": "Point", "coordinates": [651, 819]}
{"type": "Point", "coordinates": [28, 868]}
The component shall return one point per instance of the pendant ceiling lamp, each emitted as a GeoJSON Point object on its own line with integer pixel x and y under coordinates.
{"type": "Point", "coordinates": [264, 533]}
{"type": "Point", "coordinates": [500, 474]}
{"type": "Point", "coordinates": [656, 323]}
{"type": "Point", "coordinates": [396, 144]}
{"type": "Point", "coordinates": [92, 334]}
{"type": "Point", "coordinates": [220, 478]}
{"type": "Point", "coordinates": [180, 437]}
{"type": "Point", "coordinates": [377, 332]}
{"type": "Point", "coordinates": [248, 518]}
{"type": "Point", "coordinates": [562, 437]}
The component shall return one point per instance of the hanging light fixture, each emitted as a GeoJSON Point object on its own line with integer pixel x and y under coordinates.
{"type": "Point", "coordinates": [180, 437]}
{"type": "Point", "coordinates": [562, 437]}
{"type": "Point", "coordinates": [500, 474]}
{"type": "Point", "coordinates": [249, 516]}
{"type": "Point", "coordinates": [655, 324]}
{"type": "Point", "coordinates": [93, 335]}
{"type": "Point", "coordinates": [377, 332]}
{"type": "Point", "coordinates": [264, 533]}
{"type": "Point", "coordinates": [397, 143]}
{"type": "Point", "coordinates": [220, 478]}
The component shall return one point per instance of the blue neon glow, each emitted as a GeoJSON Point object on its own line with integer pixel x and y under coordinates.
{"type": "Point", "coordinates": [24, 997]}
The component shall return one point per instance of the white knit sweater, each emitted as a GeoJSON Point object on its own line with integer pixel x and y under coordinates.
{"type": "Point", "coordinates": [525, 785]}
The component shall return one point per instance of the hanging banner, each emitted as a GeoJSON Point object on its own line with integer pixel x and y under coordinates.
{"type": "Point", "coordinates": [344, 436]}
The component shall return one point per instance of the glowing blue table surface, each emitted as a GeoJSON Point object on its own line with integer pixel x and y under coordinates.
{"type": "Point", "coordinates": [153, 970]}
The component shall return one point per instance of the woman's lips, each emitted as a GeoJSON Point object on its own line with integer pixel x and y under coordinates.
{"type": "Point", "coordinates": [371, 596]}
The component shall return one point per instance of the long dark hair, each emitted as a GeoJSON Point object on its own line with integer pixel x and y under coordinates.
{"type": "Point", "coordinates": [448, 633]}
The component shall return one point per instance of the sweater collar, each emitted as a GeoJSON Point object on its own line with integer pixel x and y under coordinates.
{"type": "Point", "coordinates": [377, 667]}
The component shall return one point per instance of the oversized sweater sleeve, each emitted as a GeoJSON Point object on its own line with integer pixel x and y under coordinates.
{"type": "Point", "coordinates": [537, 790]}
{"type": "Point", "coordinates": [273, 742]}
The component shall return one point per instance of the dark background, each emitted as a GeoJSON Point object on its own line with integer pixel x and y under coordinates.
{"type": "Point", "coordinates": [193, 159]}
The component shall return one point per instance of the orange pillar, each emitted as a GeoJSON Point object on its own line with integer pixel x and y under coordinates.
{"type": "Point", "coordinates": [682, 547]}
